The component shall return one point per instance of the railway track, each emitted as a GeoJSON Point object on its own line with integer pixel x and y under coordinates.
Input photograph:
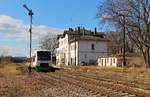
{"type": "Point", "coordinates": [118, 86]}
{"type": "Point", "coordinates": [63, 87]}
{"type": "Point", "coordinates": [102, 87]}
{"type": "Point", "coordinates": [96, 87]}
{"type": "Point", "coordinates": [129, 83]}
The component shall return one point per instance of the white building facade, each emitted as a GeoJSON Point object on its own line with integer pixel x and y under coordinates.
{"type": "Point", "coordinates": [80, 46]}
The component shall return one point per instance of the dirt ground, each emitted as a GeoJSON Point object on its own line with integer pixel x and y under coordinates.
{"type": "Point", "coordinates": [15, 81]}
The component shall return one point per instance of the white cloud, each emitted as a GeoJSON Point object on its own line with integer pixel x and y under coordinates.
{"type": "Point", "coordinates": [5, 50]}
{"type": "Point", "coordinates": [9, 50]}
{"type": "Point", "coordinates": [15, 28]}
{"type": "Point", "coordinates": [17, 31]}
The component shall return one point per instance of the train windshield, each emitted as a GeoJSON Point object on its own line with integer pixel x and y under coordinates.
{"type": "Point", "coordinates": [44, 55]}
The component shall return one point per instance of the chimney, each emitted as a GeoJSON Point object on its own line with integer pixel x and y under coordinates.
{"type": "Point", "coordinates": [78, 29]}
{"type": "Point", "coordinates": [83, 31]}
{"type": "Point", "coordinates": [95, 31]}
{"type": "Point", "coordinates": [70, 29]}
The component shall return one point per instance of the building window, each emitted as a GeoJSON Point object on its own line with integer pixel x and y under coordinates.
{"type": "Point", "coordinates": [102, 61]}
{"type": "Point", "coordinates": [93, 47]}
{"type": "Point", "coordinates": [105, 62]}
{"type": "Point", "coordinates": [111, 61]}
{"type": "Point", "coordinates": [114, 60]}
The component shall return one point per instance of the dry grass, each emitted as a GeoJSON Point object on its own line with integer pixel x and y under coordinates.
{"type": "Point", "coordinates": [10, 85]}
{"type": "Point", "coordinates": [8, 69]}
{"type": "Point", "coordinates": [137, 70]}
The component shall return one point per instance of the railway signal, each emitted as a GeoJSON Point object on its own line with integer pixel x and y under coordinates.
{"type": "Point", "coordinates": [30, 13]}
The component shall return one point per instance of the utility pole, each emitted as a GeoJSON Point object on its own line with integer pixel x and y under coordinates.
{"type": "Point", "coordinates": [124, 38]}
{"type": "Point", "coordinates": [30, 13]}
{"type": "Point", "coordinates": [75, 50]}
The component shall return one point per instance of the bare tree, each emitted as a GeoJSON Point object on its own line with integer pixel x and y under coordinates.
{"type": "Point", "coordinates": [137, 21]}
{"type": "Point", "coordinates": [49, 43]}
{"type": "Point", "coordinates": [115, 44]}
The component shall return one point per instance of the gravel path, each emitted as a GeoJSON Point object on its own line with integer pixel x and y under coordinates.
{"type": "Point", "coordinates": [51, 84]}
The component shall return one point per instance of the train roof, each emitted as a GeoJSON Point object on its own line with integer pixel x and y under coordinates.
{"type": "Point", "coordinates": [41, 50]}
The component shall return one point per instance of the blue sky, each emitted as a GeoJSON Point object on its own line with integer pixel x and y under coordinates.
{"type": "Point", "coordinates": [50, 16]}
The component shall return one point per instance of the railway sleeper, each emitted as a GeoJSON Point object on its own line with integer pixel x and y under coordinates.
{"type": "Point", "coordinates": [90, 88]}
{"type": "Point", "coordinates": [123, 88]}
{"type": "Point", "coordinates": [110, 91]}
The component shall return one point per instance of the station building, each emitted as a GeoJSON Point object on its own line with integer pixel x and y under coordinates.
{"type": "Point", "coordinates": [80, 47]}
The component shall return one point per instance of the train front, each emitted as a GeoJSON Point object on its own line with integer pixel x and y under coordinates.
{"type": "Point", "coordinates": [43, 61]}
